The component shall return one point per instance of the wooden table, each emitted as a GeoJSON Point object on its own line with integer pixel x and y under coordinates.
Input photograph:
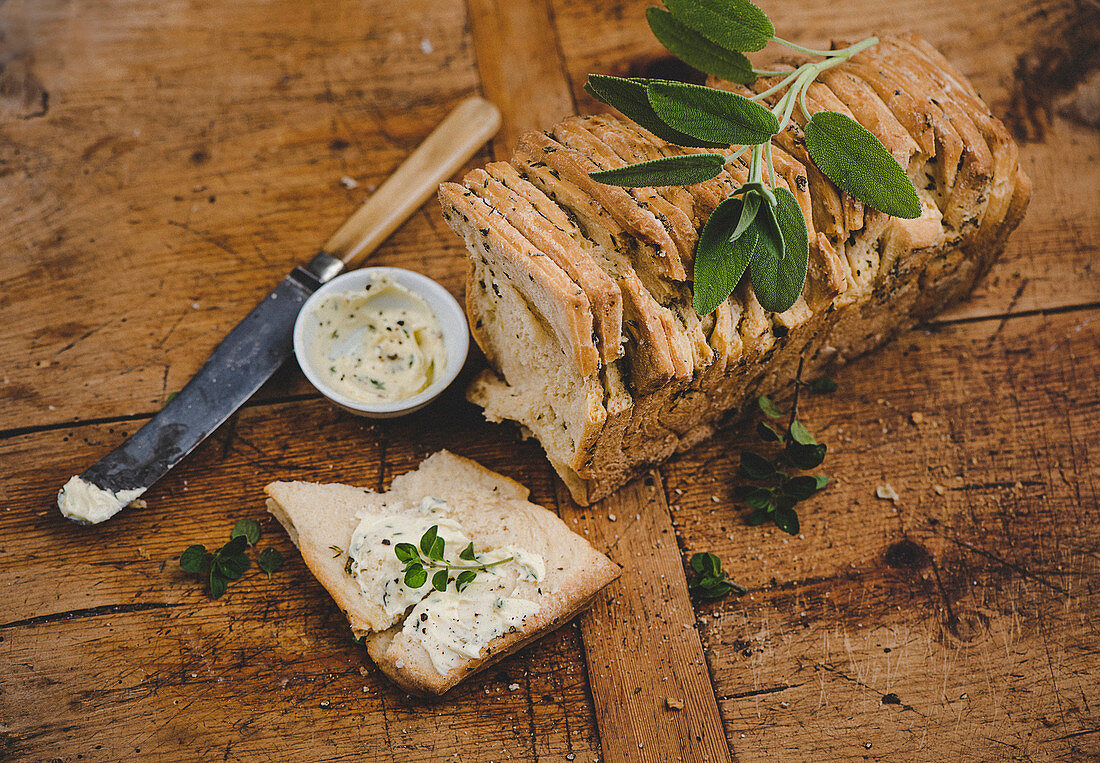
{"type": "Point", "coordinates": [163, 164]}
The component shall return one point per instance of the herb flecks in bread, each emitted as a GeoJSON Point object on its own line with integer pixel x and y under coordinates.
{"type": "Point", "coordinates": [868, 276]}
{"type": "Point", "coordinates": [532, 573]}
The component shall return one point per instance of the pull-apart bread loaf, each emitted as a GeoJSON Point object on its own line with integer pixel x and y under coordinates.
{"type": "Point", "coordinates": [427, 640]}
{"type": "Point", "coordinates": [580, 296]}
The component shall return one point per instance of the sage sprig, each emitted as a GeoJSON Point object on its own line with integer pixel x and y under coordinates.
{"type": "Point", "coordinates": [429, 556]}
{"type": "Point", "coordinates": [759, 227]}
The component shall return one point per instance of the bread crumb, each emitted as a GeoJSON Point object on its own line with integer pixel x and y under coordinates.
{"type": "Point", "coordinates": [363, 671]}
{"type": "Point", "coordinates": [426, 46]}
{"type": "Point", "coordinates": [139, 503]}
{"type": "Point", "coordinates": [714, 499]}
{"type": "Point", "coordinates": [325, 703]}
{"type": "Point", "coordinates": [612, 517]}
{"type": "Point", "coordinates": [939, 489]}
{"type": "Point", "coordinates": [349, 182]}
{"type": "Point", "coordinates": [513, 687]}
{"type": "Point", "coordinates": [674, 704]}
{"type": "Point", "coordinates": [886, 492]}
{"type": "Point", "coordinates": [917, 418]}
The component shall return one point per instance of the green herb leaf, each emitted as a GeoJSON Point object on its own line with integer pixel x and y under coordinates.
{"type": "Point", "coordinates": [719, 262]}
{"type": "Point", "coordinates": [195, 558]}
{"type": "Point", "coordinates": [218, 584]}
{"type": "Point", "coordinates": [758, 517]}
{"type": "Point", "coordinates": [768, 433]}
{"type": "Point", "coordinates": [468, 553]}
{"type": "Point", "coordinates": [749, 209]}
{"type": "Point", "coordinates": [271, 560]}
{"type": "Point", "coordinates": [821, 480]}
{"type": "Point", "coordinates": [823, 386]}
{"type": "Point", "coordinates": [779, 268]}
{"type": "Point", "coordinates": [464, 579]}
{"type": "Point", "coordinates": [732, 24]}
{"type": "Point", "coordinates": [669, 170]}
{"type": "Point", "coordinates": [406, 552]}
{"type": "Point", "coordinates": [629, 97]}
{"type": "Point", "coordinates": [249, 529]}
{"type": "Point", "coordinates": [755, 466]}
{"type": "Point", "coordinates": [439, 580]}
{"type": "Point", "coordinates": [760, 498]}
{"type": "Point", "coordinates": [712, 115]}
{"type": "Point", "coordinates": [709, 581]}
{"type": "Point", "coordinates": [696, 50]}
{"type": "Point", "coordinates": [235, 546]}
{"type": "Point", "coordinates": [231, 566]}
{"type": "Point", "coordinates": [415, 576]}
{"type": "Point", "coordinates": [857, 162]}
{"type": "Point", "coordinates": [786, 520]}
{"type": "Point", "coordinates": [427, 540]}
{"type": "Point", "coordinates": [436, 551]}
{"type": "Point", "coordinates": [768, 406]}
{"type": "Point", "coordinates": [805, 456]}
{"type": "Point", "coordinates": [800, 488]}
{"type": "Point", "coordinates": [801, 434]}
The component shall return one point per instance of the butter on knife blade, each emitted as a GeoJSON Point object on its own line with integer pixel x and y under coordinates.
{"type": "Point", "coordinates": [259, 344]}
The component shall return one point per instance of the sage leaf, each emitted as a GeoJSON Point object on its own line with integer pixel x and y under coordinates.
{"type": "Point", "coordinates": [708, 114]}
{"type": "Point", "coordinates": [668, 170]}
{"type": "Point", "coordinates": [271, 560]}
{"type": "Point", "coordinates": [720, 262]}
{"type": "Point", "coordinates": [629, 96]}
{"type": "Point", "coordinates": [439, 581]}
{"type": "Point", "coordinates": [195, 558]}
{"type": "Point", "coordinates": [248, 528]}
{"type": "Point", "coordinates": [749, 210]}
{"type": "Point", "coordinates": [857, 162]}
{"type": "Point", "coordinates": [696, 50]}
{"type": "Point", "coordinates": [732, 24]}
{"type": "Point", "coordinates": [779, 268]}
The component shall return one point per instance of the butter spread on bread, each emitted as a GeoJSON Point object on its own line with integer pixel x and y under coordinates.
{"type": "Point", "coordinates": [605, 409]}
{"type": "Point", "coordinates": [426, 640]}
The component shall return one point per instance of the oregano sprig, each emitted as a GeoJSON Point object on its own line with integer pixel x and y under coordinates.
{"type": "Point", "coordinates": [429, 556]}
{"type": "Point", "coordinates": [231, 561]}
{"type": "Point", "coordinates": [759, 227]}
{"type": "Point", "coordinates": [776, 486]}
{"type": "Point", "coordinates": [710, 581]}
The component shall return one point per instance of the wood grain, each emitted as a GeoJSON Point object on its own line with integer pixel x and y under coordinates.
{"type": "Point", "coordinates": [958, 622]}
{"type": "Point", "coordinates": [162, 165]}
{"type": "Point", "coordinates": [652, 693]}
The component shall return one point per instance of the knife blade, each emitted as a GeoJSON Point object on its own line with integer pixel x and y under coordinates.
{"type": "Point", "coordinates": [255, 349]}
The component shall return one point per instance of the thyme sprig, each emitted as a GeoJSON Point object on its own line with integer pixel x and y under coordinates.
{"type": "Point", "coordinates": [230, 562]}
{"type": "Point", "coordinates": [429, 556]}
{"type": "Point", "coordinates": [759, 227]}
{"type": "Point", "coordinates": [777, 487]}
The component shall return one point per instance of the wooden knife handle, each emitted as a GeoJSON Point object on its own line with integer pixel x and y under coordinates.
{"type": "Point", "coordinates": [450, 145]}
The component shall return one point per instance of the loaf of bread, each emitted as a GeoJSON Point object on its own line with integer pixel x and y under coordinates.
{"type": "Point", "coordinates": [424, 639]}
{"type": "Point", "coordinates": [579, 293]}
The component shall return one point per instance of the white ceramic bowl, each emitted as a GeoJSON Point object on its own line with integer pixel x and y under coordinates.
{"type": "Point", "coordinates": [452, 322]}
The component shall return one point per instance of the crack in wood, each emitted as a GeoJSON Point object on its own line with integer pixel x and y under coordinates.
{"type": "Point", "coordinates": [76, 614]}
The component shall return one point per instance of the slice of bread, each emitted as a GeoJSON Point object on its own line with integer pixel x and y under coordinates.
{"type": "Point", "coordinates": [425, 640]}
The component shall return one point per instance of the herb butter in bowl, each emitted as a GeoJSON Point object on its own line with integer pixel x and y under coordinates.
{"type": "Point", "coordinates": [381, 342]}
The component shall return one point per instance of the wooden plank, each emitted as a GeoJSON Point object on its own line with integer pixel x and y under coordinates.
{"type": "Point", "coordinates": [1059, 240]}
{"type": "Point", "coordinates": [188, 159]}
{"type": "Point", "coordinates": [956, 624]}
{"type": "Point", "coordinates": [639, 655]}
{"type": "Point", "coordinates": [653, 696]}
{"type": "Point", "coordinates": [520, 66]}
{"type": "Point", "coordinates": [110, 651]}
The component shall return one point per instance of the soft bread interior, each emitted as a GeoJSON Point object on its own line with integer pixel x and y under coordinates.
{"type": "Point", "coordinates": [492, 511]}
